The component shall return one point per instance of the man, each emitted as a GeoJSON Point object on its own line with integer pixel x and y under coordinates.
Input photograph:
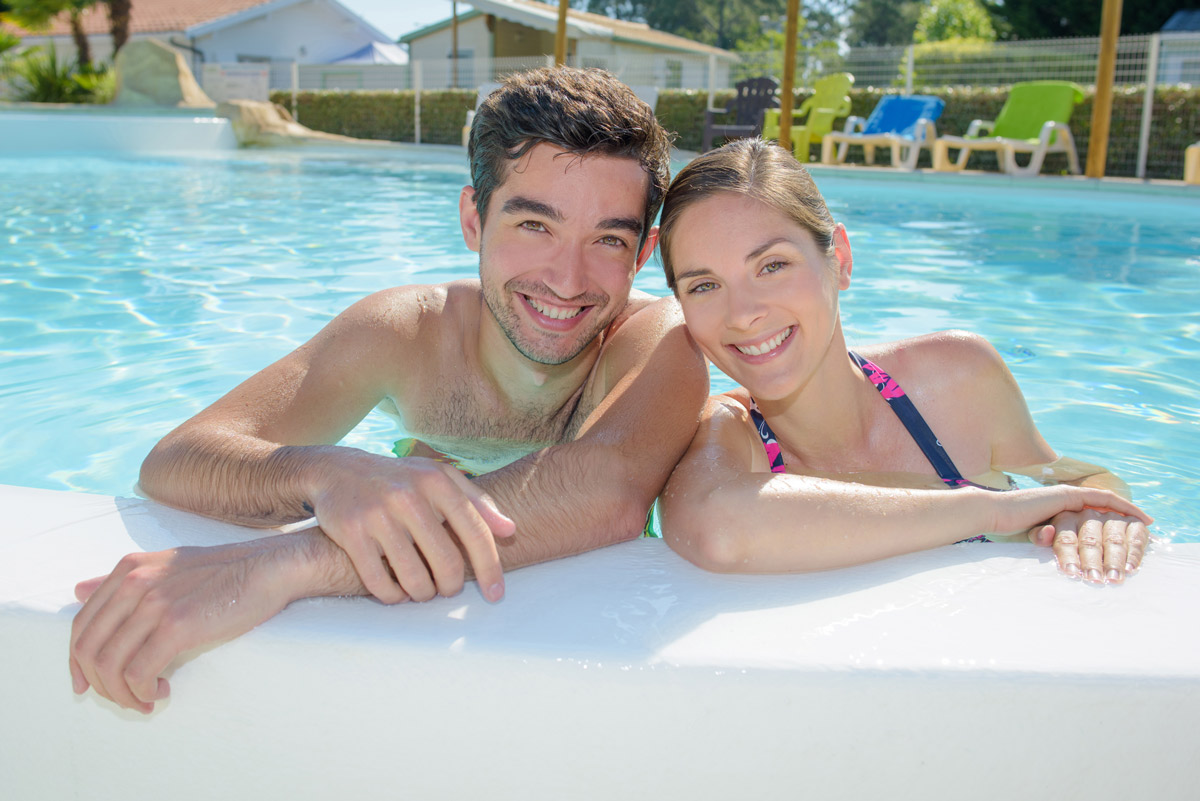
{"type": "Point", "coordinates": [570, 397]}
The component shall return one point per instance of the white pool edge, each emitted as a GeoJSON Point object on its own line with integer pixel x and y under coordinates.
{"type": "Point", "coordinates": [967, 671]}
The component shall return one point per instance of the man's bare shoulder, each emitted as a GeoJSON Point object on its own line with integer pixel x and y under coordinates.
{"type": "Point", "coordinates": [411, 310]}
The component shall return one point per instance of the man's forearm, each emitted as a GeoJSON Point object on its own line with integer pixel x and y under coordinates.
{"type": "Point", "coordinates": [233, 477]}
{"type": "Point", "coordinates": [568, 499]}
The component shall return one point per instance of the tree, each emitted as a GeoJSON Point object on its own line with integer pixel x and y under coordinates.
{"type": "Point", "coordinates": [37, 14]}
{"type": "Point", "coordinates": [119, 12]}
{"type": "Point", "coordinates": [722, 23]}
{"type": "Point", "coordinates": [882, 22]}
{"type": "Point", "coordinates": [941, 20]}
{"type": "Point", "coordinates": [1037, 19]}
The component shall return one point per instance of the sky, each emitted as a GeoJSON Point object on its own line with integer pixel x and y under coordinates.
{"type": "Point", "coordinates": [398, 17]}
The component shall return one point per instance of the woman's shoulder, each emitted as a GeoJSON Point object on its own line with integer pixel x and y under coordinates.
{"type": "Point", "coordinates": [960, 357]}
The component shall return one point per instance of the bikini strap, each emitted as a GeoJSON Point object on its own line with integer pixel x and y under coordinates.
{"type": "Point", "coordinates": [769, 440]}
{"type": "Point", "coordinates": [918, 429]}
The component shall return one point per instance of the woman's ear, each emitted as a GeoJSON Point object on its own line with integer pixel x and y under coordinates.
{"type": "Point", "coordinates": [647, 249]}
{"type": "Point", "coordinates": [469, 219]}
{"type": "Point", "coordinates": [841, 253]}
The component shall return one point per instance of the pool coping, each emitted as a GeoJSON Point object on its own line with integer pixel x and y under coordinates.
{"type": "Point", "coordinates": [966, 669]}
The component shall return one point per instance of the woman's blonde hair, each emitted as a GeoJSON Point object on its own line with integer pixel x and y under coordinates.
{"type": "Point", "coordinates": [754, 168]}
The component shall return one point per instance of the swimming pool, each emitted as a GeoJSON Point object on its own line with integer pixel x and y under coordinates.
{"type": "Point", "coordinates": [134, 291]}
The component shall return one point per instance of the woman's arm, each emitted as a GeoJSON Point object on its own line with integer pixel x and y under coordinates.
{"type": "Point", "coordinates": [723, 513]}
{"type": "Point", "coordinates": [1098, 545]}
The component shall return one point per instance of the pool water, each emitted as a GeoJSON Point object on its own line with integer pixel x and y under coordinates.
{"type": "Point", "coordinates": [135, 291]}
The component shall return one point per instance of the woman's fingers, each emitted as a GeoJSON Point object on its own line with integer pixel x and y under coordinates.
{"type": "Point", "coordinates": [1066, 544]}
{"type": "Point", "coordinates": [1116, 551]}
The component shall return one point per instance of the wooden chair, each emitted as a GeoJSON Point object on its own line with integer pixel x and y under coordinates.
{"type": "Point", "coordinates": [754, 96]}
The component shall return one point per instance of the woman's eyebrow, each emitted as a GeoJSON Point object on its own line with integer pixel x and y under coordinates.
{"type": "Point", "coordinates": [692, 274]}
{"type": "Point", "coordinates": [764, 247]}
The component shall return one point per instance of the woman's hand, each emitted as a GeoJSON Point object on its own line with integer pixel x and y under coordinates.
{"type": "Point", "coordinates": [1096, 534]}
{"type": "Point", "coordinates": [1096, 545]}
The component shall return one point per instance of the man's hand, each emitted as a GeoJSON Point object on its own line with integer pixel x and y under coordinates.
{"type": "Point", "coordinates": [1097, 545]}
{"type": "Point", "coordinates": [155, 606]}
{"type": "Point", "coordinates": [401, 522]}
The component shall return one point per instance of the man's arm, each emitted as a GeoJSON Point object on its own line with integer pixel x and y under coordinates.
{"type": "Point", "coordinates": [261, 456]}
{"type": "Point", "coordinates": [597, 489]}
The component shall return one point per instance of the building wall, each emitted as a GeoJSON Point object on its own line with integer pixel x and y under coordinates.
{"type": "Point", "coordinates": [474, 39]}
{"type": "Point", "coordinates": [309, 33]}
{"type": "Point", "coordinates": [514, 40]}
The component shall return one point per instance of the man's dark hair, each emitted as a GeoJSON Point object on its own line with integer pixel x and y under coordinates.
{"type": "Point", "coordinates": [581, 111]}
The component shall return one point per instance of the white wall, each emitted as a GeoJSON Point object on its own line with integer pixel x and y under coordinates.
{"type": "Point", "coordinates": [310, 33]}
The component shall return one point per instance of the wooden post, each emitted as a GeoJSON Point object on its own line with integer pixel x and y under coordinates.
{"type": "Point", "coordinates": [1110, 29]}
{"type": "Point", "coordinates": [789, 75]}
{"type": "Point", "coordinates": [454, 44]}
{"type": "Point", "coordinates": [560, 37]}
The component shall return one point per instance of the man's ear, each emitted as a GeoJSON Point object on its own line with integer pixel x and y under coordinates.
{"type": "Point", "coordinates": [841, 253]}
{"type": "Point", "coordinates": [469, 219]}
{"type": "Point", "coordinates": [647, 248]}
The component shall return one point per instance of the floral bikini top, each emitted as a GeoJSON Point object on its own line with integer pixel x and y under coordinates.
{"type": "Point", "coordinates": [903, 406]}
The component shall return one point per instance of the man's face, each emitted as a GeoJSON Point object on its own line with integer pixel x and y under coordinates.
{"type": "Point", "coordinates": [559, 251]}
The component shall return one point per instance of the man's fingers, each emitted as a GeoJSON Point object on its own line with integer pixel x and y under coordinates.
{"type": "Point", "coordinates": [113, 658]}
{"type": "Point", "coordinates": [500, 524]}
{"type": "Point", "coordinates": [477, 539]}
{"type": "Point", "coordinates": [1116, 552]}
{"type": "Point", "coordinates": [433, 542]}
{"type": "Point", "coordinates": [366, 554]}
{"type": "Point", "coordinates": [85, 589]}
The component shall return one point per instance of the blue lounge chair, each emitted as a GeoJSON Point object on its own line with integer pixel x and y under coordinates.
{"type": "Point", "coordinates": [901, 123]}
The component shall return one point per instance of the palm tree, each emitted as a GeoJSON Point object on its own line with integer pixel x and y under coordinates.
{"type": "Point", "coordinates": [119, 12]}
{"type": "Point", "coordinates": [36, 14]}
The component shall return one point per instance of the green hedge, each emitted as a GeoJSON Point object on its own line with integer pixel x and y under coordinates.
{"type": "Point", "coordinates": [383, 115]}
{"type": "Point", "coordinates": [389, 115]}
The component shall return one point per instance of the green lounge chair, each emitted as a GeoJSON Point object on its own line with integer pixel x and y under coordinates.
{"type": "Point", "coordinates": [902, 123]}
{"type": "Point", "coordinates": [816, 115]}
{"type": "Point", "coordinates": [1033, 120]}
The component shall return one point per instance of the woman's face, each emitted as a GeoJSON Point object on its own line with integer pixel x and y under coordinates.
{"type": "Point", "coordinates": [759, 297]}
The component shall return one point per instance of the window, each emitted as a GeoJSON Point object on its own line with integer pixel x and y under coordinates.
{"type": "Point", "coordinates": [674, 73]}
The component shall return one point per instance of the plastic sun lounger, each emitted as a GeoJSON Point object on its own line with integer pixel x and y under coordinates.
{"type": "Point", "coordinates": [1033, 120]}
{"type": "Point", "coordinates": [815, 116]}
{"type": "Point", "coordinates": [905, 124]}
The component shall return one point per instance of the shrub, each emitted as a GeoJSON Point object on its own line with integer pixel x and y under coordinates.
{"type": "Point", "coordinates": [38, 76]}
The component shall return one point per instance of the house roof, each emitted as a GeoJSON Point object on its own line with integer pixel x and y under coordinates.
{"type": "Point", "coordinates": [193, 17]}
{"type": "Point", "coordinates": [580, 24]}
{"type": "Point", "coordinates": [1187, 19]}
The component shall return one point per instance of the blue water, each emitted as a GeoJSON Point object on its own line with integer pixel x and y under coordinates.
{"type": "Point", "coordinates": [133, 292]}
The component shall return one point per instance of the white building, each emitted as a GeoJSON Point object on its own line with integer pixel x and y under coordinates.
{"type": "Point", "coordinates": [227, 31]}
{"type": "Point", "coordinates": [494, 35]}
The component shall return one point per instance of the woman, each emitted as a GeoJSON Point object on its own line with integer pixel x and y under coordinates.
{"type": "Point", "coordinates": [821, 458]}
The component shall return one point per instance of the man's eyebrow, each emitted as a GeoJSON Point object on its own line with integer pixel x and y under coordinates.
{"type": "Point", "coordinates": [516, 205]}
{"type": "Point", "coordinates": [630, 224]}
